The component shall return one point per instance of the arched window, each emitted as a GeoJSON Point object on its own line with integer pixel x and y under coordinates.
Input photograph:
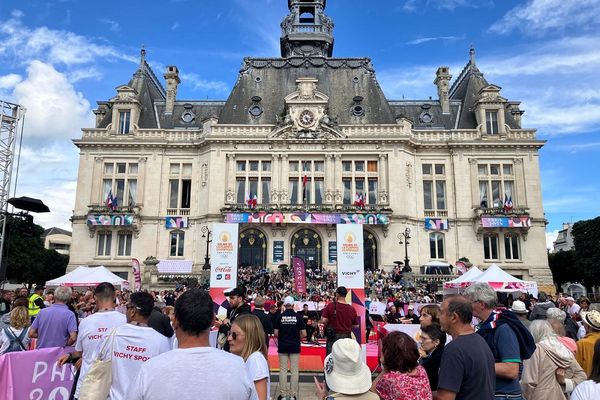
{"type": "Point", "coordinates": [306, 244]}
{"type": "Point", "coordinates": [253, 248]}
{"type": "Point", "coordinates": [370, 251]}
{"type": "Point", "coordinates": [490, 247]}
{"type": "Point", "coordinates": [436, 245]}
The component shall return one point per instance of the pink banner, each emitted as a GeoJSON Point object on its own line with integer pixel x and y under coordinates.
{"type": "Point", "coordinates": [299, 275]}
{"type": "Point", "coordinates": [35, 375]}
{"type": "Point", "coordinates": [137, 274]}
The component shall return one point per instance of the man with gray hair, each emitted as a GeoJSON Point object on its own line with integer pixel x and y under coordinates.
{"type": "Point", "coordinates": [508, 339]}
{"type": "Point", "coordinates": [540, 308]}
{"type": "Point", "coordinates": [55, 326]}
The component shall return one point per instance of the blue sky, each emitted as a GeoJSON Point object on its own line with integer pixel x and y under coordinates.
{"type": "Point", "coordinates": [58, 57]}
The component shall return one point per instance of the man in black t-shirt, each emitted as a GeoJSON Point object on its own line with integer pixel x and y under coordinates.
{"type": "Point", "coordinates": [289, 330]}
{"type": "Point", "coordinates": [467, 370]}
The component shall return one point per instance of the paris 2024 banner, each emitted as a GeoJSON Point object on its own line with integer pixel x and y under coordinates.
{"type": "Point", "coordinates": [351, 271]}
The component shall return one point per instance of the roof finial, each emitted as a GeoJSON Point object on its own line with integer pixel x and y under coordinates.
{"type": "Point", "coordinates": [142, 56]}
{"type": "Point", "coordinates": [472, 55]}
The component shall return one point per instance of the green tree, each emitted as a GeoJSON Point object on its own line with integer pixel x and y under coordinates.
{"type": "Point", "coordinates": [562, 265]}
{"type": "Point", "coordinates": [586, 238]}
{"type": "Point", "coordinates": [27, 259]}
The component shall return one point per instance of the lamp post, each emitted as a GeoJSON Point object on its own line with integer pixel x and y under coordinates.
{"type": "Point", "coordinates": [403, 237]}
{"type": "Point", "coordinates": [206, 233]}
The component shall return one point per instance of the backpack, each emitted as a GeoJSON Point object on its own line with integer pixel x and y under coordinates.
{"type": "Point", "coordinates": [16, 343]}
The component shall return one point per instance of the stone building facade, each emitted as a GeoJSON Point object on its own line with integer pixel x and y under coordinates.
{"type": "Point", "coordinates": [303, 142]}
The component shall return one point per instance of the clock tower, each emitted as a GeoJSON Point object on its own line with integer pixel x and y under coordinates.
{"type": "Point", "coordinates": [306, 31]}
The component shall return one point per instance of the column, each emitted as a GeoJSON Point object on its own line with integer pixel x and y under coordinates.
{"type": "Point", "coordinates": [97, 184]}
{"type": "Point", "coordinates": [337, 181]}
{"type": "Point", "coordinates": [230, 190]}
{"type": "Point", "coordinates": [141, 180]}
{"type": "Point", "coordinates": [283, 180]}
{"type": "Point", "coordinates": [474, 183]}
{"type": "Point", "coordinates": [520, 188]}
{"type": "Point", "coordinates": [275, 176]}
{"type": "Point", "coordinates": [329, 179]}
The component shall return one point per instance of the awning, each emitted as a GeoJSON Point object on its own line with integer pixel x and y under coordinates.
{"type": "Point", "coordinates": [175, 266]}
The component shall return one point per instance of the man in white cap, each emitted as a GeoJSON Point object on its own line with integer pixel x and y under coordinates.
{"type": "Point", "coordinates": [518, 307]}
{"type": "Point", "coordinates": [585, 346]}
{"type": "Point", "coordinates": [289, 331]}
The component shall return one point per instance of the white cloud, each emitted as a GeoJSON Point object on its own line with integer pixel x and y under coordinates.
{"type": "Point", "coordinates": [54, 108]}
{"type": "Point", "coordinates": [198, 83]}
{"type": "Point", "coordinates": [550, 238]}
{"type": "Point", "coordinates": [50, 174]}
{"type": "Point", "coordinates": [20, 44]}
{"type": "Point", "coordinates": [112, 24]}
{"type": "Point", "coordinates": [416, 5]}
{"type": "Point", "coordinates": [9, 81]}
{"type": "Point", "coordinates": [538, 17]}
{"type": "Point", "coordinates": [431, 39]}
{"type": "Point", "coordinates": [175, 26]}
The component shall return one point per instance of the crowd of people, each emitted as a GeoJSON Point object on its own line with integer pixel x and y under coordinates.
{"type": "Point", "coordinates": [477, 345]}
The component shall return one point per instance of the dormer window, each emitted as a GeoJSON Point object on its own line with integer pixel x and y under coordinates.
{"type": "Point", "coordinates": [124, 121]}
{"type": "Point", "coordinates": [491, 122]}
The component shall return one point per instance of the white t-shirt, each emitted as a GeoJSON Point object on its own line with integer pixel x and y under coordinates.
{"type": "Point", "coordinates": [574, 309]}
{"type": "Point", "coordinates": [194, 373]}
{"type": "Point", "coordinates": [5, 340]}
{"type": "Point", "coordinates": [587, 390]}
{"type": "Point", "coordinates": [131, 347]}
{"type": "Point", "coordinates": [92, 330]}
{"type": "Point", "coordinates": [258, 368]}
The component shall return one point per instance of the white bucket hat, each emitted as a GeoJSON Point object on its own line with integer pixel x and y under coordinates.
{"type": "Point", "coordinates": [518, 307]}
{"type": "Point", "coordinates": [344, 370]}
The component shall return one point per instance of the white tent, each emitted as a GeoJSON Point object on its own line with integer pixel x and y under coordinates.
{"type": "Point", "coordinates": [87, 276]}
{"type": "Point", "coordinates": [502, 281]}
{"type": "Point", "coordinates": [462, 280]}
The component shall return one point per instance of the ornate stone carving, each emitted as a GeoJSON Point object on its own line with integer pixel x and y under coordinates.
{"type": "Point", "coordinates": [229, 196]}
{"type": "Point", "coordinates": [274, 196]}
{"type": "Point", "coordinates": [283, 196]}
{"type": "Point", "coordinates": [409, 174]}
{"type": "Point", "coordinates": [204, 173]}
{"type": "Point", "coordinates": [328, 196]}
{"type": "Point", "coordinates": [338, 196]}
{"type": "Point", "coordinates": [383, 197]}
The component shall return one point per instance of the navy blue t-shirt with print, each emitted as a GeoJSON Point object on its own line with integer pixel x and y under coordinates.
{"type": "Point", "coordinates": [289, 325]}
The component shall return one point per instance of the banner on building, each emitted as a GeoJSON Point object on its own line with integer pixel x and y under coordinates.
{"type": "Point", "coordinates": [223, 263]}
{"type": "Point", "coordinates": [137, 274]}
{"type": "Point", "coordinates": [351, 271]}
{"type": "Point", "coordinates": [505, 222]}
{"type": "Point", "coordinates": [110, 219]}
{"type": "Point", "coordinates": [299, 274]}
{"type": "Point", "coordinates": [436, 224]}
{"type": "Point", "coordinates": [176, 222]}
{"type": "Point", "coordinates": [35, 375]}
{"type": "Point", "coordinates": [306, 218]}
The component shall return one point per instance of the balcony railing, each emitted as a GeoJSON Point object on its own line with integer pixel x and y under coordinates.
{"type": "Point", "coordinates": [435, 213]}
{"type": "Point", "coordinates": [499, 211]}
{"type": "Point", "coordinates": [325, 208]}
{"type": "Point", "coordinates": [178, 211]}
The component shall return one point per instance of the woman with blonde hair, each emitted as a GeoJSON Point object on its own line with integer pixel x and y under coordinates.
{"type": "Point", "coordinates": [247, 340]}
{"type": "Point", "coordinates": [14, 336]}
{"type": "Point", "coordinates": [552, 371]}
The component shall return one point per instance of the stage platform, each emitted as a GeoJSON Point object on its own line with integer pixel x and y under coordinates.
{"type": "Point", "coordinates": [312, 356]}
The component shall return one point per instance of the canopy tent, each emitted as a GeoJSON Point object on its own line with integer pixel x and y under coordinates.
{"type": "Point", "coordinates": [436, 268]}
{"type": "Point", "coordinates": [496, 277]}
{"type": "Point", "coordinates": [464, 280]}
{"type": "Point", "coordinates": [502, 281]}
{"type": "Point", "coordinates": [87, 276]}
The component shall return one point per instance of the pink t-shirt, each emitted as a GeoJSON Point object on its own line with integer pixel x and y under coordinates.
{"type": "Point", "coordinates": [397, 385]}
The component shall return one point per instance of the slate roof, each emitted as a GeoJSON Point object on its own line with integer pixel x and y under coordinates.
{"type": "Point", "coordinates": [55, 231]}
{"type": "Point", "coordinates": [341, 79]}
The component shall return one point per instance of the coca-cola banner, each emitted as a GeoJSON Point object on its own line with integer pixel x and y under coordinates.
{"type": "Point", "coordinates": [299, 275]}
{"type": "Point", "coordinates": [223, 263]}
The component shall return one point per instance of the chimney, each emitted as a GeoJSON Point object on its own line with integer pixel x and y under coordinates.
{"type": "Point", "coordinates": [172, 79]}
{"type": "Point", "coordinates": [516, 112]}
{"type": "Point", "coordinates": [442, 81]}
{"type": "Point", "coordinates": [100, 113]}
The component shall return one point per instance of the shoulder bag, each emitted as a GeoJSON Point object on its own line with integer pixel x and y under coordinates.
{"type": "Point", "coordinates": [97, 381]}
